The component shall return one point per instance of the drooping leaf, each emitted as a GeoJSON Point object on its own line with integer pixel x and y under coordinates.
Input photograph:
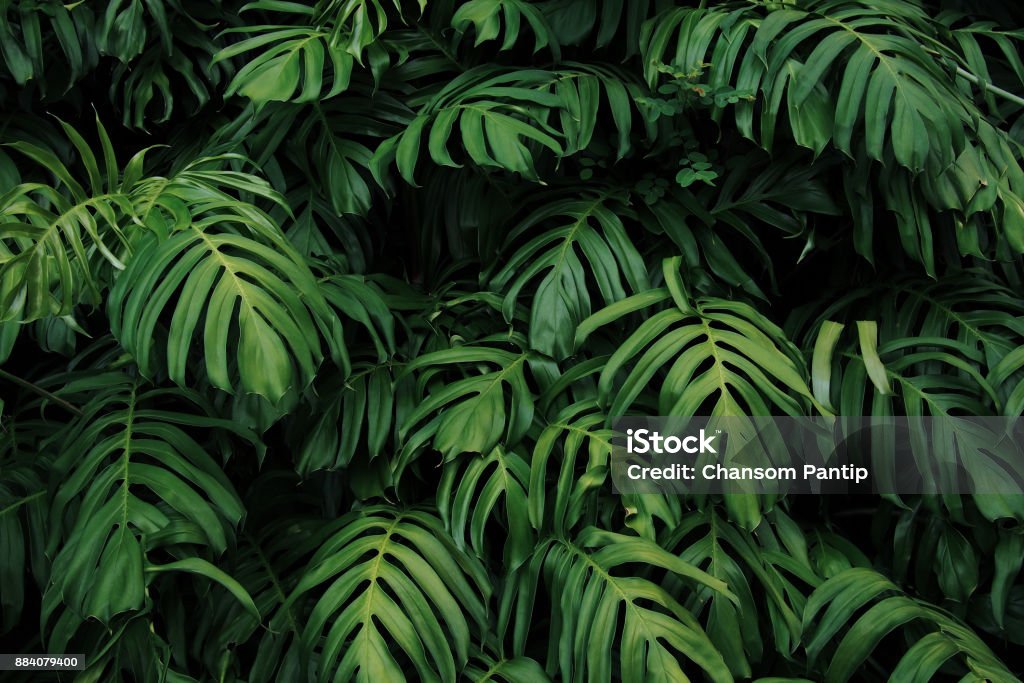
{"type": "Point", "coordinates": [132, 474]}
{"type": "Point", "coordinates": [468, 495]}
{"type": "Point", "coordinates": [242, 284]}
{"type": "Point", "coordinates": [392, 579]}
{"type": "Point", "coordinates": [596, 611]}
{"type": "Point", "coordinates": [838, 599]}
{"type": "Point", "coordinates": [492, 403]}
{"type": "Point", "coordinates": [587, 227]}
{"type": "Point", "coordinates": [723, 357]}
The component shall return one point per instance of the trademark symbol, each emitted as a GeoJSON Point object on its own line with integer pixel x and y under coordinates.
{"type": "Point", "coordinates": [718, 431]}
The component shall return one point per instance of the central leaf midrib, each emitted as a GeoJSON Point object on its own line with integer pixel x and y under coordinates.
{"type": "Point", "coordinates": [238, 282]}
{"type": "Point", "coordinates": [126, 458]}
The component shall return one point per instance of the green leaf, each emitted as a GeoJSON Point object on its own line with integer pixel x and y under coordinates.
{"type": "Point", "coordinates": [398, 572]}
{"type": "Point", "coordinates": [123, 454]}
{"type": "Point", "coordinates": [581, 447]}
{"type": "Point", "coordinates": [597, 611]}
{"type": "Point", "coordinates": [723, 357]}
{"type": "Point", "coordinates": [514, 670]}
{"type": "Point", "coordinates": [849, 591]}
{"type": "Point", "coordinates": [236, 278]}
{"type": "Point", "coordinates": [48, 233]}
{"type": "Point", "coordinates": [501, 122]}
{"type": "Point", "coordinates": [294, 65]}
{"type": "Point", "coordinates": [23, 519]}
{"type": "Point", "coordinates": [472, 414]}
{"type": "Point", "coordinates": [484, 16]}
{"type": "Point", "coordinates": [200, 567]}
{"type": "Point", "coordinates": [848, 74]}
{"type": "Point", "coordinates": [470, 488]}
{"type": "Point", "coordinates": [332, 435]}
{"type": "Point", "coordinates": [561, 300]}
{"type": "Point", "coordinates": [821, 361]}
{"type": "Point", "coordinates": [958, 566]}
{"type": "Point", "coordinates": [867, 331]}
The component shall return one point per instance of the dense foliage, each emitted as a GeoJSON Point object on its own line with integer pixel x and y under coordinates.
{"type": "Point", "coordinates": [313, 319]}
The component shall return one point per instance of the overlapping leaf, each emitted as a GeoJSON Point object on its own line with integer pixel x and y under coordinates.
{"type": "Point", "coordinates": [841, 597]}
{"type": "Point", "coordinates": [237, 279]}
{"type": "Point", "coordinates": [295, 61]}
{"type": "Point", "coordinates": [134, 477]}
{"type": "Point", "coordinates": [561, 299]}
{"type": "Point", "coordinates": [22, 531]}
{"type": "Point", "coordinates": [501, 119]}
{"type": "Point", "coordinates": [333, 434]}
{"type": "Point", "coordinates": [505, 118]}
{"type": "Point", "coordinates": [294, 65]}
{"type": "Point", "coordinates": [471, 486]}
{"type": "Point", "coordinates": [612, 24]}
{"type": "Point", "coordinates": [491, 403]}
{"type": "Point", "coordinates": [723, 357]}
{"type": "Point", "coordinates": [862, 81]}
{"type": "Point", "coordinates": [946, 345]}
{"type": "Point", "coordinates": [145, 89]}
{"type": "Point", "coordinates": [57, 244]}
{"type": "Point", "coordinates": [599, 609]}
{"type": "Point", "coordinates": [497, 327]}
{"type": "Point", "coordinates": [394, 585]}
{"type": "Point", "coordinates": [487, 16]}
{"type": "Point", "coordinates": [577, 446]}
{"type": "Point", "coordinates": [888, 85]}
{"type": "Point", "coordinates": [515, 669]}
{"type": "Point", "coordinates": [268, 564]}
{"type": "Point", "coordinates": [28, 49]}
{"type": "Point", "coordinates": [707, 541]}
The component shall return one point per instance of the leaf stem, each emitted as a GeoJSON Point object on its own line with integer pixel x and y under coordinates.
{"type": "Point", "coordinates": [22, 501]}
{"type": "Point", "coordinates": [42, 392]}
{"type": "Point", "coordinates": [985, 85]}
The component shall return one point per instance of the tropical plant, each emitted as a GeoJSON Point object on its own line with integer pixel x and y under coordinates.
{"type": "Point", "coordinates": [315, 317]}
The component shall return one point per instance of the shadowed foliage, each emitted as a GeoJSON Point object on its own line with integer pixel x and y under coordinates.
{"type": "Point", "coordinates": [314, 318]}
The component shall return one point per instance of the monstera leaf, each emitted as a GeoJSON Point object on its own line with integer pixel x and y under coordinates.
{"type": "Point", "coordinates": [504, 117]}
{"type": "Point", "coordinates": [293, 66]}
{"type": "Point", "coordinates": [145, 88]}
{"type": "Point", "coordinates": [561, 298]}
{"type": "Point", "coordinates": [485, 16]}
{"type": "Point", "coordinates": [501, 119]}
{"type": "Point", "coordinates": [22, 527]}
{"type": "Point", "coordinates": [724, 357]}
{"type": "Point", "coordinates": [966, 325]}
{"type": "Point", "coordinates": [471, 486]}
{"type": "Point", "coordinates": [710, 542]}
{"type": "Point", "coordinates": [596, 611]}
{"type": "Point", "coordinates": [28, 56]}
{"type": "Point", "coordinates": [134, 480]}
{"type": "Point", "coordinates": [333, 435]}
{"type": "Point", "coordinates": [839, 599]}
{"type": "Point", "coordinates": [491, 403]}
{"type": "Point", "coordinates": [250, 288]}
{"type": "Point", "coordinates": [311, 360]}
{"type": "Point", "coordinates": [844, 75]}
{"type": "Point", "coordinates": [46, 266]}
{"type": "Point", "coordinates": [884, 79]}
{"type": "Point", "coordinates": [295, 60]}
{"type": "Point", "coordinates": [576, 434]}
{"type": "Point", "coordinates": [379, 569]}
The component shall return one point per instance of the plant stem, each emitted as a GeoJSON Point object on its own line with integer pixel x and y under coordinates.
{"type": "Point", "coordinates": [985, 85]}
{"type": "Point", "coordinates": [42, 392]}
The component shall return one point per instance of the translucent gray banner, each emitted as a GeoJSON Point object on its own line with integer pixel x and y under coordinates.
{"type": "Point", "coordinates": [787, 455]}
{"type": "Point", "coordinates": [16, 662]}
